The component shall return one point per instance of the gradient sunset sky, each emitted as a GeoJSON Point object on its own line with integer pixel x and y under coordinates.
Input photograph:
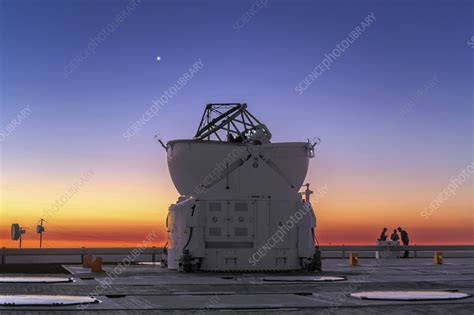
{"type": "Point", "coordinates": [391, 141]}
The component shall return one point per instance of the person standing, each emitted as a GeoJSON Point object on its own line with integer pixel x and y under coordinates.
{"type": "Point", "coordinates": [383, 235]}
{"type": "Point", "coordinates": [394, 237]}
{"type": "Point", "coordinates": [405, 240]}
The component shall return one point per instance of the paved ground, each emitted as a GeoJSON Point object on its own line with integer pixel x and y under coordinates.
{"type": "Point", "coordinates": [151, 289]}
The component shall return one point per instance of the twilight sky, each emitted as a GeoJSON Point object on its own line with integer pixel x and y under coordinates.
{"type": "Point", "coordinates": [394, 111]}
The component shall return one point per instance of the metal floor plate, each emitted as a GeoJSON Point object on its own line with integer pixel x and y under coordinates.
{"type": "Point", "coordinates": [149, 263]}
{"type": "Point", "coordinates": [46, 300]}
{"type": "Point", "coordinates": [409, 295]}
{"type": "Point", "coordinates": [35, 279]}
{"type": "Point", "coordinates": [303, 279]}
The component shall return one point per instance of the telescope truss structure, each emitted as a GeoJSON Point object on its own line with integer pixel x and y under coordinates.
{"type": "Point", "coordinates": [230, 122]}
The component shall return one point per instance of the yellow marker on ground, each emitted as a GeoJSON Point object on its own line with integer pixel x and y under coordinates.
{"type": "Point", "coordinates": [97, 265]}
{"type": "Point", "coordinates": [87, 261]}
{"type": "Point", "coordinates": [438, 258]}
{"type": "Point", "coordinates": [353, 259]}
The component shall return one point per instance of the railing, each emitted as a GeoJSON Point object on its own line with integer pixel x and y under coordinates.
{"type": "Point", "coordinates": [76, 255]}
{"type": "Point", "coordinates": [417, 251]}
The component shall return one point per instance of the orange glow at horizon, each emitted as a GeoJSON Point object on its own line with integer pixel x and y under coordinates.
{"type": "Point", "coordinates": [108, 211]}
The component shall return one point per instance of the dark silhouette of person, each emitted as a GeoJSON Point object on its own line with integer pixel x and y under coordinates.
{"type": "Point", "coordinates": [383, 235]}
{"type": "Point", "coordinates": [394, 237]}
{"type": "Point", "coordinates": [405, 240]}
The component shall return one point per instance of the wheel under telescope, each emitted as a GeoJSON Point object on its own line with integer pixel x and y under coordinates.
{"type": "Point", "coordinates": [240, 206]}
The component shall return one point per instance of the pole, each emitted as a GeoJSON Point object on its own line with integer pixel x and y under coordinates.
{"type": "Point", "coordinates": [41, 231]}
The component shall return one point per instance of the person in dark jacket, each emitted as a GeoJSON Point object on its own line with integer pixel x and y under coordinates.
{"type": "Point", "coordinates": [394, 237]}
{"type": "Point", "coordinates": [383, 235]}
{"type": "Point", "coordinates": [405, 240]}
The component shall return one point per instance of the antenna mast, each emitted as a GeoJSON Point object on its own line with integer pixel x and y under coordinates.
{"type": "Point", "coordinates": [40, 230]}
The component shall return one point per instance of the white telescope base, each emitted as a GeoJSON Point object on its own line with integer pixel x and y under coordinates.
{"type": "Point", "coordinates": [230, 235]}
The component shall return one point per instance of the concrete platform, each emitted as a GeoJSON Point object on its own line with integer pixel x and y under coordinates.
{"type": "Point", "coordinates": [145, 289]}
